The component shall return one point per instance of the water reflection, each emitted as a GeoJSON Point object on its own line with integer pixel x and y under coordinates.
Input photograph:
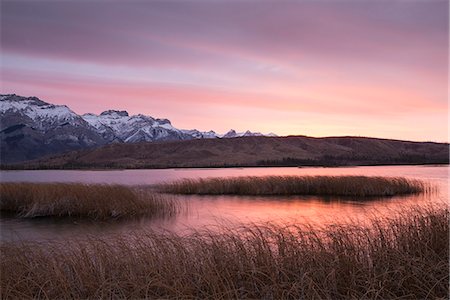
{"type": "Point", "coordinates": [140, 177]}
{"type": "Point", "coordinates": [210, 211]}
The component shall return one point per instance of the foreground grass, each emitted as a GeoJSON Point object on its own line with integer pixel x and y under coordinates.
{"type": "Point", "coordinates": [95, 201]}
{"type": "Point", "coordinates": [403, 257]}
{"type": "Point", "coordinates": [358, 186]}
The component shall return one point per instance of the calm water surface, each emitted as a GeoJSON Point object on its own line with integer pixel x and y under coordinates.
{"type": "Point", "coordinates": [215, 212]}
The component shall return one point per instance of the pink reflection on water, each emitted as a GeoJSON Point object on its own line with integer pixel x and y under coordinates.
{"type": "Point", "coordinates": [231, 211]}
{"type": "Point", "coordinates": [217, 212]}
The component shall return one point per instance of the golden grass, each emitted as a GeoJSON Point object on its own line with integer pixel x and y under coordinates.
{"type": "Point", "coordinates": [358, 186]}
{"type": "Point", "coordinates": [96, 201]}
{"type": "Point", "coordinates": [403, 257]}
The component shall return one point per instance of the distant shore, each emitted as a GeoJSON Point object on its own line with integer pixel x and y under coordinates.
{"type": "Point", "coordinates": [292, 151]}
{"type": "Point", "coordinates": [25, 167]}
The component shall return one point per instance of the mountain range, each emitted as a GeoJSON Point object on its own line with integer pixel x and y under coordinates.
{"type": "Point", "coordinates": [31, 128]}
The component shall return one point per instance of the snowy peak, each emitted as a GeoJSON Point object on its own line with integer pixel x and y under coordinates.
{"type": "Point", "coordinates": [232, 134]}
{"type": "Point", "coordinates": [119, 125]}
{"type": "Point", "coordinates": [115, 113]}
{"type": "Point", "coordinates": [249, 133]}
{"type": "Point", "coordinates": [201, 134]}
{"type": "Point", "coordinates": [19, 99]}
{"type": "Point", "coordinates": [163, 121]}
{"type": "Point", "coordinates": [34, 110]}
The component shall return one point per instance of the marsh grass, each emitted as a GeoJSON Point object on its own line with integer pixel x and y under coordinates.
{"type": "Point", "coordinates": [94, 201]}
{"type": "Point", "coordinates": [353, 186]}
{"type": "Point", "coordinates": [405, 257]}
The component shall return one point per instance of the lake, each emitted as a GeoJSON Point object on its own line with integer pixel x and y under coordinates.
{"type": "Point", "coordinates": [218, 212]}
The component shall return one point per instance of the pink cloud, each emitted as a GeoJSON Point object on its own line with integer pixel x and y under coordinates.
{"type": "Point", "coordinates": [296, 67]}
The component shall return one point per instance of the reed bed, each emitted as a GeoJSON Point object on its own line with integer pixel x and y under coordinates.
{"type": "Point", "coordinates": [94, 201]}
{"type": "Point", "coordinates": [355, 186]}
{"type": "Point", "coordinates": [403, 257]}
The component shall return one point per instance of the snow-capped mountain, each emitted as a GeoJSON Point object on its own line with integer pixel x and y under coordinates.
{"type": "Point", "coordinates": [201, 134]}
{"type": "Point", "coordinates": [119, 126]}
{"type": "Point", "coordinates": [232, 134]}
{"type": "Point", "coordinates": [31, 128]}
{"type": "Point", "coordinates": [44, 115]}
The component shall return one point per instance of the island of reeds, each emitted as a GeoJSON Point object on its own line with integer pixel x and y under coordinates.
{"type": "Point", "coordinates": [403, 257]}
{"type": "Point", "coordinates": [353, 186]}
{"type": "Point", "coordinates": [93, 201]}
{"type": "Point", "coordinates": [101, 201]}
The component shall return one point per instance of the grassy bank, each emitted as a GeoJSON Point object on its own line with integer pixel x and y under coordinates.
{"type": "Point", "coordinates": [358, 186]}
{"type": "Point", "coordinates": [403, 257]}
{"type": "Point", "coordinates": [93, 201]}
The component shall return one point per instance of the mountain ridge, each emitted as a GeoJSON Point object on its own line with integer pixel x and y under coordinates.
{"type": "Point", "coordinates": [257, 151]}
{"type": "Point", "coordinates": [31, 128]}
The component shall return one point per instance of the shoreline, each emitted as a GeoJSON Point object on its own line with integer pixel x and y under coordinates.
{"type": "Point", "coordinates": [12, 168]}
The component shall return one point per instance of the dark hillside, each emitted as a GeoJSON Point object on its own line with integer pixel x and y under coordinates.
{"type": "Point", "coordinates": [251, 151]}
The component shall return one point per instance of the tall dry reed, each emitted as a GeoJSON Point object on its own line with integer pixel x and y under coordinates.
{"type": "Point", "coordinates": [358, 186]}
{"type": "Point", "coordinates": [96, 201]}
{"type": "Point", "coordinates": [405, 257]}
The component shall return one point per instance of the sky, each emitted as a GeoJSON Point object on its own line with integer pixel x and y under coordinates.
{"type": "Point", "coordinates": [316, 68]}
